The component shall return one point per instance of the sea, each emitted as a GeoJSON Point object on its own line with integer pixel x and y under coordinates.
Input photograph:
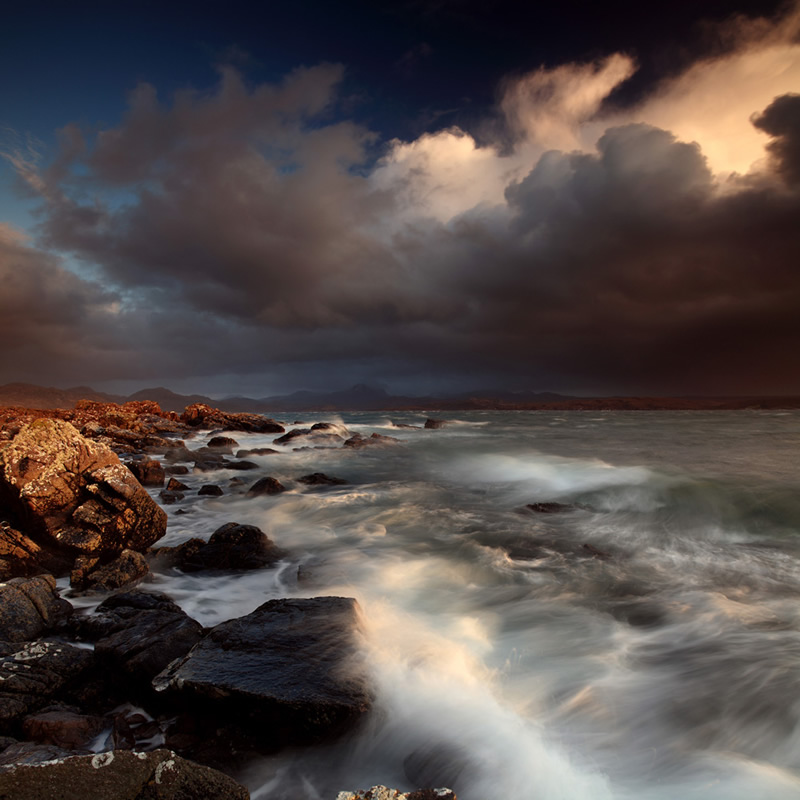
{"type": "Point", "coordinates": [638, 641]}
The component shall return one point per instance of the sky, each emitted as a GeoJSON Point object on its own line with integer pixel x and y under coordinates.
{"type": "Point", "coordinates": [432, 196]}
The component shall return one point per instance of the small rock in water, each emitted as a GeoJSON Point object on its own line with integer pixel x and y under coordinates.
{"type": "Point", "coordinates": [210, 490]}
{"type": "Point", "coordinates": [551, 508]}
{"type": "Point", "coordinates": [223, 443]}
{"type": "Point", "coordinates": [266, 486]}
{"type": "Point", "coordinates": [320, 479]}
{"type": "Point", "coordinates": [174, 485]}
{"type": "Point", "coordinates": [435, 424]}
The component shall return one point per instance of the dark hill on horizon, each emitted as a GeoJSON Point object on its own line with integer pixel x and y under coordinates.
{"type": "Point", "coordinates": [362, 397]}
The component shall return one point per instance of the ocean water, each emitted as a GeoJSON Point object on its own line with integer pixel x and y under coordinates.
{"type": "Point", "coordinates": [642, 644]}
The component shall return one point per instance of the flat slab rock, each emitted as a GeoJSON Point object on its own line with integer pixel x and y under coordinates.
{"type": "Point", "coordinates": [288, 671]}
{"type": "Point", "coordinates": [384, 793]}
{"type": "Point", "coordinates": [118, 775]}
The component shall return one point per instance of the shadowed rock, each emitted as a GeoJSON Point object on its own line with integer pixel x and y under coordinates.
{"type": "Point", "coordinates": [435, 424]}
{"type": "Point", "coordinates": [320, 479]}
{"type": "Point", "coordinates": [148, 472]}
{"type": "Point", "coordinates": [357, 441]}
{"type": "Point", "coordinates": [266, 486]}
{"type": "Point", "coordinates": [30, 606]}
{"type": "Point", "coordinates": [224, 443]}
{"type": "Point", "coordinates": [288, 672]}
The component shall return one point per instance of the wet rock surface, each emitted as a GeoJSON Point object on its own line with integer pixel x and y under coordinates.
{"type": "Point", "coordinates": [376, 439]}
{"type": "Point", "coordinates": [266, 486]}
{"type": "Point", "coordinates": [320, 479]}
{"type": "Point", "coordinates": [286, 673]}
{"type": "Point", "coordinates": [29, 607]}
{"type": "Point", "coordinates": [119, 775]}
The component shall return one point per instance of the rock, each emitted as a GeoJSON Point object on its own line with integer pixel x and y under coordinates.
{"type": "Point", "coordinates": [170, 498]}
{"type": "Point", "coordinates": [65, 729]}
{"type": "Point", "coordinates": [73, 495]}
{"type": "Point", "coordinates": [30, 753]}
{"type": "Point", "coordinates": [435, 424]}
{"type": "Point", "coordinates": [358, 441]}
{"type": "Point", "coordinates": [223, 443]}
{"type": "Point", "coordinates": [256, 451]}
{"type": "Point", "coordinates": [210, 490]}
{"type": "Point", "coordinates": [241, 465]}
{"type": "Point", "coordinates": [287, 673]}
{"type": "Point", "coordinates": [551, 508]}
{"type": "Point", "coordinates": [119, 775]}
{"type": "Point", "coordinates": [230, 547]}
{"type": "Point", "coordinates": [266, 486]}
{"type": "Point", "coordinates": [320, 479]}
{"type": "Point", "coordinates": [200, 415]}
{"type": "Point", "coordinates": [34, 673]}
{"type": "Point", "coordinates": [176, 470]}
{"type": "Point", "coordinates": [137, 634]}
{"type": "Point", "coordinates": [173, 454]}
{"type": "Point", "coordinates": [30, 606]}
{"type": "Point", "coordinates": [148, 472]}
{"type": "Point", "coordinates": [384, 793]}
{"type": "Point", "coordinates": [322, 433]}
{"type": "Point", "coordinates": [127, 568]}
{"type": "Point", "coordinates": [406, 425]}
{"type": "Point", "coordinates": [174, 485]}
{"type": "Point", "coordinates": [20, 555]}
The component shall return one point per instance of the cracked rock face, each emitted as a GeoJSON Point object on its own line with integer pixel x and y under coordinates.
{"type": "Point", "coordinates": [73, 494]}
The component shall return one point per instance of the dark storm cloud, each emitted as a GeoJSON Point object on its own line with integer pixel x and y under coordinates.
{"type": "Point", "coordinates": [243, 231]}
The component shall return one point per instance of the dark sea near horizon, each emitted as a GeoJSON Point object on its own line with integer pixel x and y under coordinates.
{"type": "Point", "coordinates": [643, 642]}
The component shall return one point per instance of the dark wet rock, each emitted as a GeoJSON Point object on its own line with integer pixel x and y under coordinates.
{"type": "Point", "coordinates": [34, 673]}
{"type": "Point", "coordinates": [384, 793]}
{"type": "Point", "coordinates": [169, 498]}
{"type": "Point", "coordinates": [29, 607]}
{"type": "Point", "coordinates": [200, 415]}
{"type": "Point", "coordinates": [407, 426]}
{"type": "Point", "coordinates": [30, 753]}
{"type": "Point", "coordinates": [179, 469]}
{"type": "Point", "coordinates": [137, 634]}
{"type": "Point", "coordinates": [210, 490]}
{"type": "Point", "coordinates": [435, 424]}
{"type": "Point", "coordinates": [224, 443]}
{"type": "Point", "coordinates": [242, 466]}
{"type": "Point", "coordinates": [266, 486]}
{"type": "Point", "coordinates": [209, 462]}
{"type": "Point", "coordinates": [286, 673]}
{"type": "Point", "coordinates": [230, 547]}
{"type": "Point", "coordinates": [119, 775]}
{"type": "Point", "coordinates": [128, 568]}
{"type": "Point", "coordinates": [73, 496]}
{"type": "Point", "coordinates": [320, 479]}
{"type": "Point", "coordinates": [65, 729]}
{"type": "Point", "coordinates": [173, 454]}
{"type": "Point", "coordinates": [322, 433]}
{"type": "Point", "coordinates": [174, 485]}
{"type": "Point", "coordinates": [358, 441]}
{"type": "Point", "coordinates": [148, 472]}
{"type": "Point", "coordinates": [256, 451]}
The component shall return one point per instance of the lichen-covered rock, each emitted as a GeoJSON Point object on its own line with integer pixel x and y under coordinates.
{"type": "Point", "coordinates": [31, 675]}
{"type": "Point", "coordinates": [73, 494]}
{"type": "Point", "coordinates": [200, 415]}
{"type": "Point", "coordinates": [30, 606]}
{"type": "Point", "coordinates": [288, 672]}
{"type": "Point", "coordinates": [384, 793]}
{"type": "Point", "coordinates": [119, 775]}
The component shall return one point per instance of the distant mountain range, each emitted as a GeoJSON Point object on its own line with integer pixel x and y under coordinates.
{"type": "Point", "coordinates": [369, 398]}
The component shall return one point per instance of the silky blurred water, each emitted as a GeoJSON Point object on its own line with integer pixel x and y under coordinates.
{"type": "Point", "coordinates": [644, 643]}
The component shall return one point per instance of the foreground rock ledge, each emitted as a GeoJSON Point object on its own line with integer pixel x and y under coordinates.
{"type": "Point", "coordinates": [118, 775]}
{"type": "Point", "coordinates": [286, 673]}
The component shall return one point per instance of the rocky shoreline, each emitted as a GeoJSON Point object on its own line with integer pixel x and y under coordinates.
{"type": "Point", "coordinates": [136, 699]}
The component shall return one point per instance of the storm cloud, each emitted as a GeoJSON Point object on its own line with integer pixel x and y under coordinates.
{"type": "Point", "coordinates": [254, 230]}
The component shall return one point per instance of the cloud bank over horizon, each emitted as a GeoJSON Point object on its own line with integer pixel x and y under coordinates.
{"type": "Point", "coordinates": [567, 244]}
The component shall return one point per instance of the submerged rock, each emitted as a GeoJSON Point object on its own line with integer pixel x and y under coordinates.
{"type": "Point", "coordinates": [358, 441]}
{"type": "Point", "coordinates": [320, 479]}
{"type": "Point", "coordinates": [287, 673]}
{"type": "Point", "coordinates": [435, 424]}
{"type": "Point", "coordinates": [119, 775]}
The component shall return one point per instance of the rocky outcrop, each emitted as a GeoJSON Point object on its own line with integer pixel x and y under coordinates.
{"type": "Point", "coordinates": [384, 793]}
{"type": "Point", "coordinates": [29, 607]}
{"type": "Point", "coordinates": [72, 496]}
{"type": "Point", "coordinates": [137, 634]}
{"type": "Point", "coordinates": [199, 415]}
{"type": "Point", "coordinates": [119, 775]}
{"type": "Point", "coordinates": [322, 434]}
{"type": "Point", "coordinates": [286, 673]}
{"type": "Point", "coordinates": [33, 674]}
{"type": "Point", "coordinates": [230, 547]}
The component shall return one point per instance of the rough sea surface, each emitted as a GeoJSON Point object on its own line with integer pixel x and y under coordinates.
{"type": "Point", "coordinates": [643, 644]}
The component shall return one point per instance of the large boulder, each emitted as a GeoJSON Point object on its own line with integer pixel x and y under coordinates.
{"type": "Point", "coordinates": [288, 672]}
{"type": "Point", "coordinates": [73, 496]}
{"type": "Point", "coordinates": [119, 775]}
{"type": "Point", "coordinates": [200, 415]}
